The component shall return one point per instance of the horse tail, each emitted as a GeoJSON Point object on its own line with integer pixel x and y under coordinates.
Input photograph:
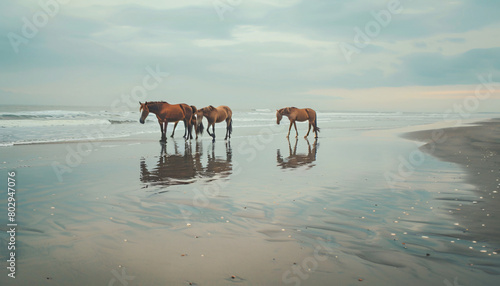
{"type": "Point", "coordinates": [193, 108]}
{"type": "Point", "coordinates": [230, 115]}
{"type": "Point", "coordinates": [316, 128]}
{"type": "Point", "coordinates": [309, 111]}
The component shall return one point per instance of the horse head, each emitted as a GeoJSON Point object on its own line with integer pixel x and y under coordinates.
{"type": "Point", "coordinates": [279, 116]}
{"type": "Point", "coordinates": [145, 111]}
{"type": "Point", "coordinates": [199, 120]}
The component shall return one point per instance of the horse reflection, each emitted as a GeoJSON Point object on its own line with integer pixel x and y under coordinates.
{"type": "Point", "coordinates": [171, 169]}
{"type": "Point", "coordinates": [217, 165]}
{"type": "Point", "coordinates": [298, 160]}
{"type": "Point", "coordinates": [185, 168]}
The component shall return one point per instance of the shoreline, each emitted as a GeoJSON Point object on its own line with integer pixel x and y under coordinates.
{"type": "Point", "coordinates": [476, 149]}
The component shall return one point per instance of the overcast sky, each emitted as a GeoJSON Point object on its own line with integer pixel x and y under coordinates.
{"type": "Point", "coordinates": [325, 54]}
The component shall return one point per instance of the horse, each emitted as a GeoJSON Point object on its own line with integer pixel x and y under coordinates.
{"type": "Point", "coordinates": [165, 113]}
{"type": "Point", "coordinates": [193, 123]}
{"type": "Point", "coordinates": [215, 115]}
{"type": "Point", "coordinates": [296, 114]}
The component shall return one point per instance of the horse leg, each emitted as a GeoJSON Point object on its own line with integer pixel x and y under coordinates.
{"type": "Point", "coordinates": [296, 132]}
{"type": "Point", "coordinates": [165, 131]}
{"type": "Point", "coordinates": [289, 128]}
{"type": "Point", "coordinates": [185, 130]}
{"type": "Point", "coordinates": [175, 125]}
{"type": "Point", "coordinates": [308, 130]}
{"type": "Point", "coordinates": [227, 129]}
{"type": "Point", "coordinates": [189, 129]}
{"type": "Point", "coordinates": [163, 137]}
{"type": "Point", "coordinates": [213, 129]}
{"type": "Point", "coordinates": [208, 129]}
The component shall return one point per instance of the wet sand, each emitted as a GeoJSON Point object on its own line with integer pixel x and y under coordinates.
{"type": "Point", "coordinates": [476, 150]}
{"type": "Point", "coordinates": [260, 210]}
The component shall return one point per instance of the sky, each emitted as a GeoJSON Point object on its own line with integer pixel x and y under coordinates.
{"type": "Point", "coordinates": [355, 55]}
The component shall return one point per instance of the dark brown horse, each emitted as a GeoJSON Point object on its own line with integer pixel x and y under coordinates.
{"type": "Point", "coordinates": [215, 115]}
{"type": "Point", "coordinates": [166, 113]}
{"type": "Point", "coordinates": [193, 124]}
{"type": "Point", "coordinates": [296, 114]}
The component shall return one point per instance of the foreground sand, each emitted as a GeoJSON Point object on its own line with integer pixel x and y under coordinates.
{"type": "Point", "coordinates": [259, 210]}
{"type": "Point", "coordinates": [476, 149]}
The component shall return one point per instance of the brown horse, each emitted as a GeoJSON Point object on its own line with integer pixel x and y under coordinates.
{"type": "Point", "coordinates": [166, 113]}
{"type": "Point", "coordinates": [296, 114]}
{"type": "Point", "coordinates": [193, 123]}
{"type": "Point", "coordinates": [215, 115]}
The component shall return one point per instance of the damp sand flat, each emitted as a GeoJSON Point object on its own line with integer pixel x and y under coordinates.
{"type": "Point", "coordinates": [258, 211]}
{"type": "Point", "coordinates": [476, 150]}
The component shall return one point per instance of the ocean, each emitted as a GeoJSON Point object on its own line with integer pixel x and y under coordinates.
{"type": "Point", "coordinates": [51, 124]}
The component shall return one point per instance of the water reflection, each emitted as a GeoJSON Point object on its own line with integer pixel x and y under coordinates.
{"type": "Point", "coordinates": [295, 160]}
{"type": "Point", "coordinates": [185, 168]}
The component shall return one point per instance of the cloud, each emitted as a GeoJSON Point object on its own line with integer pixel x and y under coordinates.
{"type": "Point", "coordinates": [266, 50]}
{"type": "Point", "coordinates": [436, 69]}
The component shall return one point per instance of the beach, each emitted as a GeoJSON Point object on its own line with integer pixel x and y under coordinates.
{"type": "Point", "coordinates": [359, 205]}
{"type": "Point", "coordinates": [475, 149]}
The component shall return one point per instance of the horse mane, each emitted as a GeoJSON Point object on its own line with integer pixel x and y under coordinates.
{"type": "Point", "coordinates": [286, 110]}
{"type": "Point", "coordinates": [154, 105]}
{"type": "Point", "coordinates": [155, 102]}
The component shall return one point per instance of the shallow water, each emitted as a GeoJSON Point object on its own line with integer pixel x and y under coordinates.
{"type": "Point", "coordinates": [260, 210]}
